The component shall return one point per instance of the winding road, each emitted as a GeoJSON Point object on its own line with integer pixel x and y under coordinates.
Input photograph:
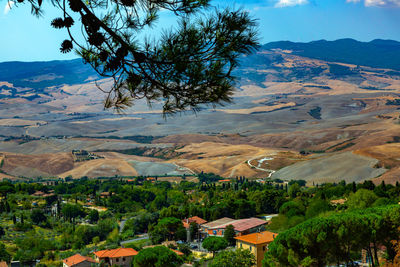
{"type": "Point", "coordinates": [271, 172]}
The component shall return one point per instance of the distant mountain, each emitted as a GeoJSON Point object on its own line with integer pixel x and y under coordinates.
{"type": "Point", "coordinates": [43, 74]}
{"type": "Point", "coordinates": [377, 53]}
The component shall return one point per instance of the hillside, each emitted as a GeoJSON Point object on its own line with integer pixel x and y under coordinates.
{"type": "Point", "coordinates": [347, 51]}
{"type": "Point", "coordinates": [300, 104]}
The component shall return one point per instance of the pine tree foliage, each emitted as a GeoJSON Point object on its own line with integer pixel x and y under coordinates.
{"type": "Point", "coordinates": [185, 68]}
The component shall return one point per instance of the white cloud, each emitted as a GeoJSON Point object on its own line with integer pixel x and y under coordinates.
{"type": "Point", "coordinates": [377, 2]}
{"type": "Point", "coordinates": [287, 3]}
{"type": "Point", "coordinates": [8, 7]}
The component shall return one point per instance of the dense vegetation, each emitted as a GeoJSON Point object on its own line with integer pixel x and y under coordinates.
{"type": "Point", "coordinates": [311, 220]}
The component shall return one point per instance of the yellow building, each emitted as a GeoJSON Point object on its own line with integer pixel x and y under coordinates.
{"type": "Point", "coordinates": [257, 243]}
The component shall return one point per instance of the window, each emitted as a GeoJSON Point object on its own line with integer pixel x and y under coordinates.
{"type": "Point", "coordinates": [123, 259]}
{"type": "Point", "coordinates": [117, 260]}
{"type": "Point", "coordinates": [241, 245]}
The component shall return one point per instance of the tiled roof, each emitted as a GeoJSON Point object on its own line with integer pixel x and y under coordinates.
{"type": "Point", "coordinates": [196, 219]}
{"type": "Point", "coordinates": [177, 252]}
{"type": "Point", "coordinates": [239, 225]}
{"type": "Point", "coordinates": [217, 223]}
{"type": "Point", "coordinates": [76, 259]}
{"type": "Point", "coordinates": [258, 238]}
{"type": "Point", "coordinates": [3, 264]}
{"type": "Point", "coordinates": [246, 224]}
{"type": "Point", "coordinates": [116, 253]}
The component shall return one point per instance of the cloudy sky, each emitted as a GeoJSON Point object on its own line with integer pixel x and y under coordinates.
{"type": "Point", "coordinates": [27, 38]}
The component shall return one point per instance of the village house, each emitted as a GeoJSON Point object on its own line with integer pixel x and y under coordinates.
{"type": "Point", "coordinates": [186, 223]}
{"type": "Point", "coordinates": [195, 219]}
{"type": "Point", "coordinates": [241, 226]}
{"type": "Point", "coordinates": [257, 243]}
{"type": "Point", "coordinates": [119, 256]}
{"type": "Point", "coordinates": [78, 260]}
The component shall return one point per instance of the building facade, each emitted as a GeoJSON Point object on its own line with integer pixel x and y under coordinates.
{"type": "Point", "coordinates": [257, 243]}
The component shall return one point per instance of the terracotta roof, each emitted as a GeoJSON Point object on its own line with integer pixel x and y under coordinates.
{"type": "Point", "coordinates": [116, 253]}
{"type": "Point", "coordinates": [177, 252]}
{"type": "Point", "coordinates": [196, 219]}
{"type": "Point", "coordinates": [3, 264]}
{"type": "Point", "coordinates": [258, 238]}
{"type": "Point", "coordinates": [215, 224]}
{"type": "Point", "coordinates": [225, 180]}
{"type": "Point", "coordinates": [76, 259]}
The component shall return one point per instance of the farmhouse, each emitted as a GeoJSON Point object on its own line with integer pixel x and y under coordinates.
{"type": "Point", "coordinates": [257, 243]}
{"type": "Point", "coordinates": [119, 256]}
{"type": "Point", "coordinates": [78, 260]}
{"type": "Point", "coordinates": [194, 219]}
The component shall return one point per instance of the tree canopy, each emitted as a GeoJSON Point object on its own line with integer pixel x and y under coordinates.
{"type": "Point", "coordinates": [186, 67]}
{"type": "Point", "coordinates": [234, 258]}
{"type": "Point", "coordinates": [214, 243]}
{"type": "Point", "coordinates": [337, 238]}
{"type": "Point", "coordinates": [159, 256]}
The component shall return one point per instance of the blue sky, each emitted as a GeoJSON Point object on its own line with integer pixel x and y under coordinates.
{"type": "Point", "coordinates": [27, 38]}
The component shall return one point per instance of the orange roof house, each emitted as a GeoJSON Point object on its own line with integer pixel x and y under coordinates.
{"type": "Point", "coordinates": [258, 238]}
{"type": "Point", "coordinates": [78, 260]}
{"type": "Point", "coordinates": [196, 219]}
{"type": "Point", "coordinates": [177, 252]}
{"type": "Point", "coordinates": [119, 256]}
{"type": "Point", "coordinates": [257, 243]}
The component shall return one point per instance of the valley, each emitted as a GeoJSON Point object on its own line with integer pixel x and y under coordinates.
{"type": "Point", "coordinates": [312, 118]}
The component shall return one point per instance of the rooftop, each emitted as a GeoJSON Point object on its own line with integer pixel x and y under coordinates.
{"type": "Point", "coordinates": [258, 238]}
{"type": "Point", "coordinates": [196, 219]}
{"type": "Point", "coordinates": [116, 253]}
{"type": "Point", "coordinates": [219, 222]}
{"type": "Point", "coordinates": [76, 259]}
{"type": "Point", "coordinates": [239, 225]}
{"type": "Point", "coordinates": [246, 224]}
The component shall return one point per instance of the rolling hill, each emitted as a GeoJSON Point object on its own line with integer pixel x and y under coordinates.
{"type": "Point", "coordinates": [301, 110]}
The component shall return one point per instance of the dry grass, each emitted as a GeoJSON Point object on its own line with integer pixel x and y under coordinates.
{"type": "Point", "coordinates": [101, 168]}
{"type": "Point", "coordinates": [259, 109]}
{"type": "Point", "coordinates": [50, 164]}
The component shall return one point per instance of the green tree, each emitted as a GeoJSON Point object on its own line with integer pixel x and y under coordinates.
{"type": "Point", "coordinates": [362, 199]}
{"type": "Point", "coordinates": [37, 216]}
{"type": "Point", "coordinates": [316, 207]}
{"type": "Point", "coordinates": [230, 234]}
{"type": "Point", "coordinates": [336, 239]}
{"type": "Point", "coordinates": [234, 258]}
{"type": "Point", "coordinates": [96, 240]}
{"type": "Point", "coordinates": [4, 255]}
{"type": "Point", "coordinates": [169, 228]}
{"type": "Point", "coordinates": [71, 211]}
{"type": "Point", "coordinates": [214, 244]}
{"type": "Point", "coordinates": [193, 230]}
{"type": "Point", "coordinates": [294, 189]}
{"type": "Point", "coordinates": [93, 216]}
{"type": "Point", "coordinates": [159, 256]}
{"type": "Point", "coordinates": [187, 67]}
